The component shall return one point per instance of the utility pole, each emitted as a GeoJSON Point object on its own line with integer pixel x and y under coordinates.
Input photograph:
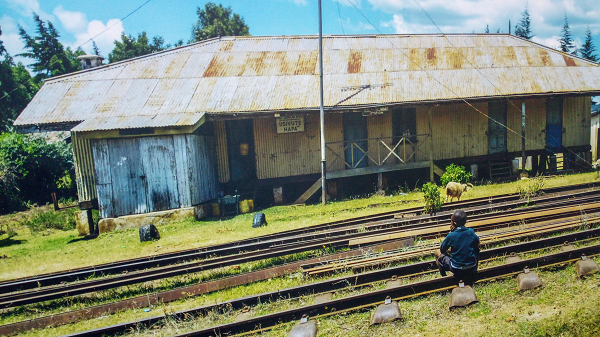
{"type": "Point", "coordinates": [322, 113]}
{"type": "Point", "coordinates": [523, 158]}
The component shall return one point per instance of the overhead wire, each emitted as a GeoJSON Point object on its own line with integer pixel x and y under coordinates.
{"type": "Point", "coordinates": [340, 16]}
{"type": "Point", "coordinates": [21, 84]}
{"type": "Point", "coordinates": [444, 85]}
{"type": "Point", "coordinates": [485, 77]}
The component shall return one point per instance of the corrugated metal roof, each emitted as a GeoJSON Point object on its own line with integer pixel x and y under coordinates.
{"type": "Point", "coordinates": [251, 74]}
{"type": "Point", "coordinates": [133, 122]}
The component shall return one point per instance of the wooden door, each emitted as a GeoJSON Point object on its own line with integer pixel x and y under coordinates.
{"type": "Point", "coordinates": [497, 127]}
{"type": "Point", "coordinates": [240, 146]}
{"type": "Point", "coordinates": [355, 140]}
{"type": "Point", "coordinates": [158, 160]}
{"type": "Point", "coordinates": [554, 123]}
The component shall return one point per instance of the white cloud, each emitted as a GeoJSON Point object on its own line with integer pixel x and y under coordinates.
{"type": "Point", "coordinates": [77, 24]}
{"type": "Point", "coordinates": [28, 7]}
{"type": "Point", "coordinates": [11, 38]}
{"type": "Point", "coordinates": [466, 16]}
{"type": "Point", "coordinates": [104, 41]}
{"type": "Point", "coordinates": [361, 26]}
{"type": "Point", "coordinates": [72, 21]}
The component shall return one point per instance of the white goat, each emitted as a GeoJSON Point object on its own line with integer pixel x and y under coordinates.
{"type": "Point", "coordinates": [455, 190]}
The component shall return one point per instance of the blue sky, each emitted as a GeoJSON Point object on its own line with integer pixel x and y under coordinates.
{"type": "Point", "coordinates": [79, 20]}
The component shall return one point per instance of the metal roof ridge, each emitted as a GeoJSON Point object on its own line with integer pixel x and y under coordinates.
{"type": "Point", "coordinates": [127, 61]}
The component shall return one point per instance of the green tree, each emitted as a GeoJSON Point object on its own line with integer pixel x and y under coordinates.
{"type": "Point", "coordinates": [17, 88]}
{"type": "Point", "coordinates": [96, 49]}
{"type": "Point", "coordinates": [588, 49]}
{"type": "Point", "coordinates": [48, 53]}
{"type": "Point", "coordinates": [216, 20]}
{"type": "Point", "coordinates": [37, 167]}
{"type": "Point", "coordinates": [487, 29]}
{"type": "Point", "coordinates": [566, 41]}
{"type": "Point", "coordinates": [523, 28]}
{"type": "Point", "coordinates": [130, 47]}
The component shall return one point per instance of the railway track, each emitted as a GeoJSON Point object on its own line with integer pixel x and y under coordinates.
{"type": "Point", "coordinates": [362, 280]}
{"type": "Point", "coordinates": [287, 237]}
{"type": "Point", "coordinates": [535, 231]}
{"type": "Point", "coordinates": [70, 276]}
{"type": "Point", "coordinates": [381, 232]}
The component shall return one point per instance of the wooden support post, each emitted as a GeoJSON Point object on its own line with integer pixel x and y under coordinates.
{"type": "Point", "coordinates": [90, 219]}
{"type": "Point", "coordinates": [379, 182]}
{"type": "Point", "coordinates": [431, 165]}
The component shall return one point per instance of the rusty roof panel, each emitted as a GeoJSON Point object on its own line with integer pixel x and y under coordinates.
{"type": "Point", "coordinates": [133, 122]}
{"type": "Point", "coordinates": [246, 74]}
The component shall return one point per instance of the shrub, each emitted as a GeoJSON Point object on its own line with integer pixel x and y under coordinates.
{"type": "Point", "coordinates": [41, 220]}
{"type": "Point", "coordinates": [532, 189]}
{"type": "Point", "coordinates": [432, 198]}
{"type": "Point", "coordinates": [455, 173]}
{"type": "Point", "coordinates": [33, 169]}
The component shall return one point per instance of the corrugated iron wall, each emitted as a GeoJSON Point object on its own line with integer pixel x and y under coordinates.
{"type": "Point", "coordinates": [298, 153]}
{"type": "Point", "coordinates": [85, 173]}
{"type": "Point", "coordinates": [380, 126]}
{"type": "Point", "coordinates": [576, 120]}
{"type": "Point", "coordinates": [222, 156]}
{"type": "Point", "coordinates": [459, 130]}
{"type": "Point", "coordinates": [148, 174]}
{"type": "Point", "coordinates": [535, 124]}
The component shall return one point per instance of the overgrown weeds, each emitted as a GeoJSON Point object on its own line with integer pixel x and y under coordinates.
{"type": "Point", "coordinates": [532, 189]}
{"type": "Point", "coordinates": [41, 220]}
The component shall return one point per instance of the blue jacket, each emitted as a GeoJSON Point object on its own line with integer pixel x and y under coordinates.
{"type": "Point", "coordinates": [465, 247]}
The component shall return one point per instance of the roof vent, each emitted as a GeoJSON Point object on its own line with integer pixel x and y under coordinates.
{"type": "Point", "coordinates": [90, 61]}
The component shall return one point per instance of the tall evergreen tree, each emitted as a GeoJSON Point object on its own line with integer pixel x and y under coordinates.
{"type": "Point", "coordinates": [216, 20]}
{"type": "Point", "coordinates": [96, 50]}
{"type": "Point", "coordinates": [588, 49]}
{"type": "Point", "coordinates": [46, 50]}
{"type": "Point", "coordinates": [487, 29]}
{"type": "Point", "coordinates": [130, 47]}
{"type": "Point", "coordinates": [523, 28]}
{"type": "Point", "coordinates": [566, 41]}
{"type": "Point", "coordinates": [16, 88]}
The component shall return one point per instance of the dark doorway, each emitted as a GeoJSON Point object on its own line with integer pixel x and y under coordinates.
{"type": "Point", "coordinates": [497, 127]}
{"type": "Point", "coordinates": [404, 123]}
{"type": "Point", "coordinates": [554, 123]}
{"type": "Point", "coordinates": [240, 146]}
{"type": "Point", "coordinates": [355, 138]}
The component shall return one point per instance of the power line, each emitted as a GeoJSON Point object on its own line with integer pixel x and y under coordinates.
{"type": "Point", "coordinates": [114, 24]}
{"type": "Point", "coordinates": [340, 16]}
{"type": "Point", "coordinates": [447, 87]}
{"type": "Point", "coordinates": [95, 36]}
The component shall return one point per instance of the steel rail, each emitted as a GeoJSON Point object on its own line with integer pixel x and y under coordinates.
{"type": "Point", "coordinates": [377, 297]}
{"type": "Point", "coordinates": [241, 245]}
{"type": "Point", "coordinates": [50, 293]}
{"type": "Point", "coordinates": [358, 280]}
{"type": "Point", "coordinates": [358, 263]}
{"type": "Point", "coordinates": [215, 285]}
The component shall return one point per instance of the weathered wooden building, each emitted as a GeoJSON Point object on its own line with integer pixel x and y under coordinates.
{"type": "Point", "coordinates": [172, 129]}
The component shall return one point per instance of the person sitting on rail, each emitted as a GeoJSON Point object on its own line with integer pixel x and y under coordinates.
{"type": "Point", "coordinates": [463, 243]}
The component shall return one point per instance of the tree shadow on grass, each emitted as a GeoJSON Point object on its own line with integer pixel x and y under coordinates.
{"type": "Point", "coordinates": [85, 238]}
{"type": "Point", "coordinates": [6, 242]}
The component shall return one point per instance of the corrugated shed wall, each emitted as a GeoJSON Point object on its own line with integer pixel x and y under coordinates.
{"type": "Point", "coordinates": [458, 129]}
{"type": "Point", "coordinates": [380, 126]}
{"type": "Point", "coordinates": [291, 154]}
{"type": "Point", "coordinates": [148, 174]}
{"type": "Point", "coordinates": [222, 157]}
{"type": "Point", "coordinates": [85, 174]}
{"type": "Point", "coordinates": [576, 120]}
{"type": "Point", "coordinates": [535, 124]}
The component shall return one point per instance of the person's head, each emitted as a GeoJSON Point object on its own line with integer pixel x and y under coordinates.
{"type": "Point", "coordinates": [459, 218]}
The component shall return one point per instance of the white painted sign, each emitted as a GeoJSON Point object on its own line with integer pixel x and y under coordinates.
{"type": "Point", "coordinates": [290, 124]}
